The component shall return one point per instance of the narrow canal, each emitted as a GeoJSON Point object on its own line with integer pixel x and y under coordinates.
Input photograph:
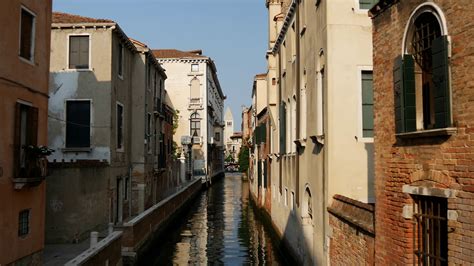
{"type": "Point", "coordinates": [219, 227]}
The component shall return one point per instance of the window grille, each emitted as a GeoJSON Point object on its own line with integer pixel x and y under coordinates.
{"type": "Point", "coordinates": [431, 231]}
{"type": "Point", "coordinates": [426, 30]}
{"type": "Point", "coordinates": [24, 223]}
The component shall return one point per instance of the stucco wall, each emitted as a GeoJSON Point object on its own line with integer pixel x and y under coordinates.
{"type": "Point", "coordinates": [28, 82]}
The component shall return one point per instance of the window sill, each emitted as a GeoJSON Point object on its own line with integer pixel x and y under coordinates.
{"type": "Point", "coordinates": [79, 69]}
{"type": "Point", "coordinates": [429, 133]}
{"type": "Point", "coordinates": [88, 149]}
{"type": "Point", "coordinates": [20, 183]}
{"type": "Point", "coordinates": [26, 60]}
{"type": "Point", "coordinates": [300, 142]}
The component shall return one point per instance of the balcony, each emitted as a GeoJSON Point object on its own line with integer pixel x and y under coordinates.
{"type": "Point", "coordinates": [195, 103]}
{"type": "Point", "coordinates": [33, 172]}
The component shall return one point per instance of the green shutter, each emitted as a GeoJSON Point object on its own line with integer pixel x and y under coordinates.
{"type": "Point", "coordinates": [404, 89]}
{"type": "Point", "coordinates": [367, 105]}
{"type": "Point", "coordinates": [441, 82]}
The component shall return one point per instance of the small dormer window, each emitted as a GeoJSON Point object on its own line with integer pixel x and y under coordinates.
{"type": "Point", "coordinates": [194, 67]}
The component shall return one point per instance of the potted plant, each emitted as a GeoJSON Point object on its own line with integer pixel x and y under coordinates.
{"type": "Point", "coordinates": [35, 160]}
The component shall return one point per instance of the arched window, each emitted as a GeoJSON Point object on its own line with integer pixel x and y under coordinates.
{"type": "Point", "coordinates": [309, 203]}
{"type": "Point", "coordinates": [195, 125]}
{"type": "Point", "coordinates": [421, 74]}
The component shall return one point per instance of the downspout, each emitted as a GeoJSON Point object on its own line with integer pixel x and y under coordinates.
{"type": "Point", "coordinates": [298, 84]}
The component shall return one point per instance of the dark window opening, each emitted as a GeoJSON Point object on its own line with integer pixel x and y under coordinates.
{"type": "Point", "coordinates": [120, 60]}
{"type": "Point", "coordinates": [27, 34]}
{"type": "Point", "coordinates": [78, 124]}
{"type": "Point", "coordinates": [119, 126]}
{"type": "Point", "coordinates": [78, 52]}
{"type": "Point", "coordinates": [431, 230]}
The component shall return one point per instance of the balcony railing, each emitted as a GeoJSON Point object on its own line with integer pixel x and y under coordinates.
{"type": "Point", "coordinates": [33, 172]}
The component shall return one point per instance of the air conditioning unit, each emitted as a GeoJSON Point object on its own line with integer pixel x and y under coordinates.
{"type": "Point", "coordinates": [197, 140]}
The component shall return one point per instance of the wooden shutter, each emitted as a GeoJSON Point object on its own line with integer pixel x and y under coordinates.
{"type": "Point", "coordinates": [367, 104]}
{"type": "Point", "coordinates": [265, 174]}
{"type": "Point", "coordinates": [404, 90]}
{"type": "Point", "coordinates": [17, 141]}
{"type": "Point", "coordinates": [32, 133]}
{"type": "Point", "coordinates": [84, 52]}
{"type": "Point", "coordinates": [259, 173]}
{"type": "Point", "coordinates": [439, 51]}
{"type": "Point", "coordinates": [78, 116]}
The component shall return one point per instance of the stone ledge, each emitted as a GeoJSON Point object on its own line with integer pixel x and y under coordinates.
{"type": "Point", "coordinates": [429, 191]}
{"type": "Point", "coordinates": [357, 213]}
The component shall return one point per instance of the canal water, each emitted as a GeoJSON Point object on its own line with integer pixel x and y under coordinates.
{"type": "Point", "coordinates": [220, 227]}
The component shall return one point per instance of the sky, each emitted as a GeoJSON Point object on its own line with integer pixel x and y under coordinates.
{"type": "Point", "coordinates": [232, 32]}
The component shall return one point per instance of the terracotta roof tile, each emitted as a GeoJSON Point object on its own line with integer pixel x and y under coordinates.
{"type": "Point", "coordinates": [173, 53]}
{"type": "Point", "coordinates": [59, 17]}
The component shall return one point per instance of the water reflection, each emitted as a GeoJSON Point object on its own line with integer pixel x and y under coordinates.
{"type": "Point", "coordinates": [219, 228]}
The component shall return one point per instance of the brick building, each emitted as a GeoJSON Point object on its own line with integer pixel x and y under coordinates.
{"type": "Point", "coordinates": [424, 132]}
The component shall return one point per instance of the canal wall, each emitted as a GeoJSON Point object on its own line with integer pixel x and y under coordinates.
{"type": "Point", "coordinates": [352, 241]}
{"type": "Point", "coordinates": [139, 232]}
{"type": "Point", "coordinates": [105, 252]}
{"type": "Point", "coordinates": [276, 235]}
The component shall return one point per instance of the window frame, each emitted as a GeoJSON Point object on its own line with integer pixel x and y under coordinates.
{"type": "Point", "coordinates": [360, 10]}
{"type": "Point", "coordinates": [19, 160]}
{"type": "Point", "coordinates": [90, 123]}
{"type": "Point", "coordinates": [194, 120]}
{"type": "Point", "coordinates": [33, 36]}
{"type": "Point", "coordinates": [194, 70]}
{"type": "Point", "coordinates": [122, 142]}
{"type": "Point", "coordinates": [360, 124]}
{"type": "Point", "coordinates": [68, 51]}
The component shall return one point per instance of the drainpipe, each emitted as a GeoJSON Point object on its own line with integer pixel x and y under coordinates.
{"type": "Point", "coordinates": [298, 113]}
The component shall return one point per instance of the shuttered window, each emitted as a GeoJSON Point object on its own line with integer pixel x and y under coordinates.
{"type": "Point", "coordinates": [26, 133]}
{"type": "Point", "coordinates": [424, 73]}
{"type": "Point", "coordinates": [282, 128]}
{"type": "Point", "coordinates": [79, 52]}
{"type": "Point", "coordinates": [367, 4]}
{"type": "Point", "coordinates": [78, 124]}
{"type": "Point", "coordinates": [367, 105]}
{"type": "Point", "coordinates": [265, 174]}
{"type": "Point", "coordinates": [27, 34]}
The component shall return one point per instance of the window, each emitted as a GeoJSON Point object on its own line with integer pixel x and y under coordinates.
{"type": "Point", "coordinates": [195, 125]}
{"type": "Point", "coordinates": [125, 189]}
{"type": "Point", "coordinates": [26, 133]}
{"type": "Point", "coordinates": [421, 78]}
{"type": "Point", "coordinates": [194, 68]}
{"type": "Point", "coordinates": [148, 132]}
{"type": "Point", "coordinates": [293, 205]}
{"type": "Point", "coordinates": [120, 60]}
{"type": "Point", "coordinates": [431, 230]}
{"type": "Point", "coordinates": [367, 105]}
{"type": "Point", "coordinates": [24, 223]}
{"type": "Point", "coordinates": [282, 128]}
{"type": "Point", "coordinates": [217, 136]}
{"type": "Point", "coordinates": [229, 124]}
{"type": "Point", "coordinates": [79, 52]}
{"type": "Point", "coordinates": [367, 4]}
{"type": "Point", "coordinates": [78, 124]}
{"type": "Point", "coordinates": [27, 34]}
{"type": "Point", "coordinates": [119, 126]}
{"type": "Point", "coordinates": [286, 196]}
